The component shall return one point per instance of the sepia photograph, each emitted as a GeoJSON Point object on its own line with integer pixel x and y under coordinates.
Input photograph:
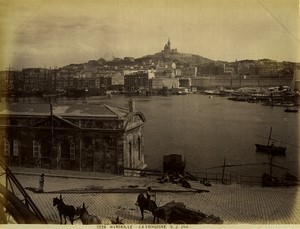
{"type": "Point", "coordinates": [127, 114]}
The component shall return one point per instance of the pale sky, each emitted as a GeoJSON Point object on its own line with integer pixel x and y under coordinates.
{"type": "Point", "coordinates": [54, 33]}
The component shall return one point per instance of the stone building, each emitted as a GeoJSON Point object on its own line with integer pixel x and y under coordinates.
{"type": "Point", "coordinates": [136, 81]}
{"type": "Point", "coordinates": [168, 49]}
{"type": "Point", "coordinates": [79, 137]}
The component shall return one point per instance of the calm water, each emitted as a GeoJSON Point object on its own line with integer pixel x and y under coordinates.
{"type": "Point", "coordinates": [206, 130]}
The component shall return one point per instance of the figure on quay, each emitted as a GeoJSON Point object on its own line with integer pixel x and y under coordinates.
{"type": "Point", "coordinates": [148, 195]}
{"type": "Point", "coordinates": [41, 183]}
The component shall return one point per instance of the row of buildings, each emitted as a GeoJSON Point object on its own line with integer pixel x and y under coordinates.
{"type": "Point", "coordinates": [39, 80]}
{"type": "Point", "coordinates": [36, 81]}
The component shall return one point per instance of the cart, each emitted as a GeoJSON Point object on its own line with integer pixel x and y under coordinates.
{"type": "Point", "coordinates": [178, 213]}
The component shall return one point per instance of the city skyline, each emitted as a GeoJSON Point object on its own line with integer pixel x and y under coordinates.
{"type": "Point", "coordinates": [37, 33]}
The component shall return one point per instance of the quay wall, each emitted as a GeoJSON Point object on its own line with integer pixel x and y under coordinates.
{"type": "Point", "coordinates": [214, 82]}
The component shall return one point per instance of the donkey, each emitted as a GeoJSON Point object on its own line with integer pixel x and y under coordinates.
{"type": "Point", "coordinates": [142, 202]}
{"type": "Point", "coordinates": [85, 217]}
{"type": "Point", "coordinates": [64, 210]}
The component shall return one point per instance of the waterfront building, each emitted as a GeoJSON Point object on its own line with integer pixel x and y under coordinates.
{"type": "Point", "coordinates": [161, 69]}
{"type": "Point", "coordinates": [11, 81]}
{"type": "Point", "coordinates": [210, 69]}
{"type": "Point", "coordinates": [117, 79]}
{"type": "Point", "coordinates": [243, 69]}
{"type": "Point", "coordinates": [190, 71]}
{"type": "Point", "coordinates": [267, 68]}
{"type": "Point", "coordinates": [160, 83]}
{"type": "Point", "coordinates": [81, 137]}
{"type": "Point", "coordinates": [165, 69]}
{"type": "Point", "coordinates": [38, 79]}
{"type": "Point", "coordinates": [136, 81]}
{"type": "Point", "coordinates": [230, 70]}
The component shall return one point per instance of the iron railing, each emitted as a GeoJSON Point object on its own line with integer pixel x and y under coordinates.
{"type": "Point", "coordinates": [14, 186]}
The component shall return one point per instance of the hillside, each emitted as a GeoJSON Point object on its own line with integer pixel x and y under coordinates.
{"type": "Point", "coordinates": [179, 58]}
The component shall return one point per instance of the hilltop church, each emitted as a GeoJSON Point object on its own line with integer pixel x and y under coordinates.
{"type": "Point", "coordinates": [167, 48]}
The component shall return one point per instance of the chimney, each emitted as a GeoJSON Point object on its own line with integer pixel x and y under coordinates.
{"type": "Point", "coordinates": [131, 105]}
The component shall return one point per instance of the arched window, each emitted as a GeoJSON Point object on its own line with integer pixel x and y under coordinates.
{"type": "Point", "coordinates": [36, 149]}
{"type": "Point", "coordinates": [72, 151]}
{"type": "Point", "coordinates": [6, 147]}
{"type": "Point", "coordinates": [59, 150]}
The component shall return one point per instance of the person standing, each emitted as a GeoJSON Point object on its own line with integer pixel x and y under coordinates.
{"type": "Point", "coordinates": [148, 195]}
{"type": "Point", "coordinates": [41, 182]}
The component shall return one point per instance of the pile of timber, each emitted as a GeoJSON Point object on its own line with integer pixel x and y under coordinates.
{"type": "Point", "coordinates": [177, 212]}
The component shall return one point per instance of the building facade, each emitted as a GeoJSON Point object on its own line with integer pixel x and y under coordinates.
{"type": "Point", "coordinates": [81, 137]}
{"type": "Point", "coordinates": [136, 81]}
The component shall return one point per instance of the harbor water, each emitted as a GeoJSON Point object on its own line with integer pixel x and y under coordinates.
{"type": "Point", "coordinates": [206, 130]}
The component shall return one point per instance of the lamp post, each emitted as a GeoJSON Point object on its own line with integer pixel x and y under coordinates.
{"type": "Point", "coordinates": [50, 96]}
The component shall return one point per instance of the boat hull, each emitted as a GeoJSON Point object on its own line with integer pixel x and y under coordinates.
{"type": "Point", "coordinates": [274, 150]}
{"type": "Point", "coordinates": [291, 110]}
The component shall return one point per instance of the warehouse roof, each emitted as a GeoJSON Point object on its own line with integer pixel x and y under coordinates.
{"type": "Point", "coordinates": [86, 110]}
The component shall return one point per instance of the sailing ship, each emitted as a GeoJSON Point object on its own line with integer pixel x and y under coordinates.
{"type": "Point", "coordinates": [270, 148]}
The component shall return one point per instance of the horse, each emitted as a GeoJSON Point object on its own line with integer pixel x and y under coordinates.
{"type": "Point", "coordinates": [64, 210]}
{"type": "Point", "coordinates": [142, 202]}
{"type": "Point", "coordinates": [85, 217]}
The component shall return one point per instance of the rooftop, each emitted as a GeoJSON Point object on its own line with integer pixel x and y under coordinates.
{"type": "Point", "coordinates": [90, 110]}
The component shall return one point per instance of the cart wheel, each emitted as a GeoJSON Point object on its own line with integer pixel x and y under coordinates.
{"type": "Point", "coordinates": [180, 222]}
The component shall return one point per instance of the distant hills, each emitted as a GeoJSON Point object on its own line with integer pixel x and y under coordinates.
{"type": "Point", "coordinates": [170, 56]}
{"type": "Point", "coordinates": [178, 58]}
{"type": "Point", "coordinates": [161, 57]}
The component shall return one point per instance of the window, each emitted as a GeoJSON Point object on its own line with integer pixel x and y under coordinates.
{"type": "Point", "coordinates": [59, 150]}
{"type": "Point", "coordinates": [130, 155]}
{"type": "Point", "coordinates": [36, 149]}
{"type": "Point", "coordinates": [72, 151]}
{"type": "Point", "coordinates": [6, 147]}
{"type": "Point", "coordinates": [140, 148]}
{"type": "Point", "coordinates": [15, 147]}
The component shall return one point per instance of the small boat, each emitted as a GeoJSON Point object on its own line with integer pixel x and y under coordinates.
{"type": "Point", "coordinates": [215, 92]}
{"type": "Point", "coordinates": [181, 93]}
{"type": "Point", "coordinates": [275, 150]}
{"type": "Point", "coordinates": [294, 110]}
{"type": "Point", "coordinates": [272, 149]}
